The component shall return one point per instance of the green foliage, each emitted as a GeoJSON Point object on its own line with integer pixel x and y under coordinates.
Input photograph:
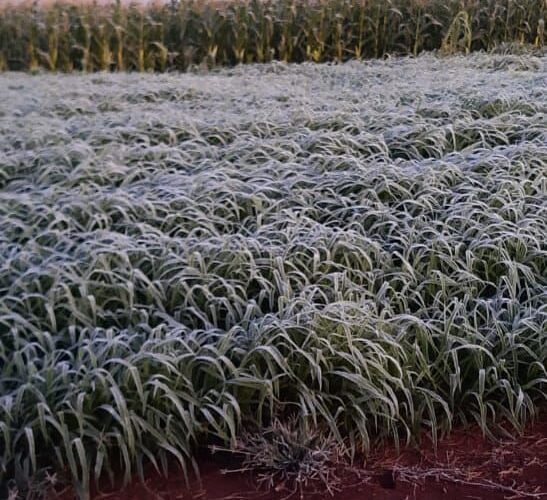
{"type": "Point", "coordinates": [178, 35]}
{"type": "Point", "coordinates": [186, 257]}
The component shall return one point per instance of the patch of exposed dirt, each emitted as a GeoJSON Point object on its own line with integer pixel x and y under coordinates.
{"type": "Point", "coordinates": [464, 466]}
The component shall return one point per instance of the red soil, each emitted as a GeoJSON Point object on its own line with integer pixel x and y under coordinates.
{"type": "Point", "coordinates": [465, 466]}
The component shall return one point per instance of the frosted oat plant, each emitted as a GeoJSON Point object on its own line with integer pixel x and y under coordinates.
{"type": "Point", "coordinates": [185, 256]}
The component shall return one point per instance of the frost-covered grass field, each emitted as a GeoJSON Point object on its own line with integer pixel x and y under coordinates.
{"type": "Point", "coordinates": [184, 257]}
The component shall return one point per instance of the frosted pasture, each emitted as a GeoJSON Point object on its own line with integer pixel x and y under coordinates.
{"type": "Point", "coordinates": [362, 244]}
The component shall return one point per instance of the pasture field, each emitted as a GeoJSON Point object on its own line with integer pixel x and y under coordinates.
{"type": "Point", "coordinates": [188, 259]}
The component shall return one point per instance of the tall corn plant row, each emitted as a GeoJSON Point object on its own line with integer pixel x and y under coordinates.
{"type": "Point", "coordinates": [181, 34]}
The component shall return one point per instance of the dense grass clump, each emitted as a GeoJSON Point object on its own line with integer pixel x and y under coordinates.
{"type": "Point", "coordinates": [185, 258]}
{"type": "Point", "coordinates": [60, 36]}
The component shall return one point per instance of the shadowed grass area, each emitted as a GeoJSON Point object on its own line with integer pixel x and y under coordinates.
{"type": "Point", "coordinates": [191, 257]}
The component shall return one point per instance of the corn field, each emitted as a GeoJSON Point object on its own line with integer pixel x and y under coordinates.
{"type": "Point", "coordinates": [359, 246]}
{"type": "Point", "coordinates": [181, 35]}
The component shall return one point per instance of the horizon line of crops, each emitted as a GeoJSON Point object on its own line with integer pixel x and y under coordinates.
{"type": "Point", "coordinates": [180, 35]}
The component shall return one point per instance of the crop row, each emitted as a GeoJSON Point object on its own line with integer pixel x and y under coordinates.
{"type": "Point", "coordinates": [184, 258]}
{"type": "Point", "coordinates": [179, 35]}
